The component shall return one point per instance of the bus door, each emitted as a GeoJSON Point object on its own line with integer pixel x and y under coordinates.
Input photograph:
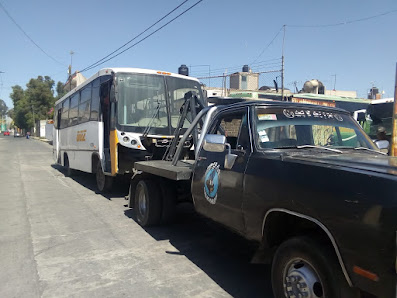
{"type": "Point", "coordinates": [56, 135]}
{"type": "Point", "coordinates": [105, 112]}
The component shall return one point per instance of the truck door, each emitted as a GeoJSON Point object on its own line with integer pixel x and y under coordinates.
{"type": "Point", "coordinates": [217, 191]}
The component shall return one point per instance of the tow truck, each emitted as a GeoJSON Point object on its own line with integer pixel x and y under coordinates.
{"type": "Point", "coordinates": [304, 181]}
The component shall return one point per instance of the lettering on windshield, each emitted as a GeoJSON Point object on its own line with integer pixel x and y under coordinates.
{"type": "Point", "coordinates": [311, 114]}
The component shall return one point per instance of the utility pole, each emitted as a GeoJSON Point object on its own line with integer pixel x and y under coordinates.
{"type": "Point", "coordinates": [394, 132]}
{"type": "Point", "coordinates": [282, 67]}
{"type": "Point", "coordinates": [71, 61]}
{"type": "Point", "coordinates": [334, 80]}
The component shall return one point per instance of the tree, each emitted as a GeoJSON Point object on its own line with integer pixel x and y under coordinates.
{"type": "Point", "coordinates": [35, 102]}
{"type": "Point", "coordinates": [60, 90]}
{"type": "Point", "coordinates": [3, 108]}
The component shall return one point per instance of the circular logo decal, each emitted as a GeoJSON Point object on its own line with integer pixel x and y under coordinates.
{"type": "Point", "coordinates": [211, 182]}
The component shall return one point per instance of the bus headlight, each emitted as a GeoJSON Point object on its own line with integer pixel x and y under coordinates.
{"type": "Point", "coordinates": [126, 139]}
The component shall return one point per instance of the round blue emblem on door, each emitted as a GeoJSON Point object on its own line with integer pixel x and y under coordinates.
{"type": "Point", "coordinates": [211, 182]}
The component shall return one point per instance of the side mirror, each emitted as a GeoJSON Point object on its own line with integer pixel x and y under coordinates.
{"type": "Point", "coordinates": [383, 145]}
{"type": "Point", "coordinates": [214, 143]}
{"type": "Point", "coordinates": [230, 158]}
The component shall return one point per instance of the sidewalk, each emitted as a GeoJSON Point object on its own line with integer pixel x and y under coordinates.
{"type": "Point", "coordinates": [42, 139]}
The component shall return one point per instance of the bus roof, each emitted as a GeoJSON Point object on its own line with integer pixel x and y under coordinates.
{"type": "Point", "coordinates": [382, 100]}
{"type": "Point", "coordinates": [109, 71]}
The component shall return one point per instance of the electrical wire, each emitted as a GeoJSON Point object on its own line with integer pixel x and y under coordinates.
{"type": "Point", "coordinates": [23, 31]}
{"type": "Point", "coordinates": [146, 37]}
{"type": "Point", "coordinates": [344, 23]}
{"type": "Point", "coordinates": [270, 43]}
{"type": "Point", "coordinates": [258, 66]}
{"type": "Point", "coordinates": [131, 40]}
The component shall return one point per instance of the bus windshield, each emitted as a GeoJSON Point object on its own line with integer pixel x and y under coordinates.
{"type": "Point", "coordinates": [142, 101]}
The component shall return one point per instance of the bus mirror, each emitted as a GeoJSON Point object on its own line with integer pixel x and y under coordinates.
{"type": "Point", "coordinates": [112, 94]}
{"type": "Point", "coordinates": [361, 117]}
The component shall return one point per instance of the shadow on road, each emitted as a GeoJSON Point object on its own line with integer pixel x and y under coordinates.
{"type": "Point", "coordinates": [222, 255]}
{"type": "Point", "coordinates": [119, 189]}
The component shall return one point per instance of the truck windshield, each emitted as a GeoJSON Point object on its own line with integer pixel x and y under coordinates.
{"type": "Point", "coordinates": [152, 101]}
{"type": "Point", "coordinates": [286, 128]}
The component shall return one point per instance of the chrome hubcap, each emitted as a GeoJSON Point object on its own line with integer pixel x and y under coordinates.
{"type": "Point", "coordinates": [301, 280]}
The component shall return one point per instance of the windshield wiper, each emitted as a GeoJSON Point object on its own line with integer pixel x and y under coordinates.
{"type": "Point", "coordinates": [309, 146]}
{"type": "Point", "coordinates": [319, 147]}
{"type": "Point", "coordinates": [149, 125]}
{"type": "Point", "coordinates": [368, 149]}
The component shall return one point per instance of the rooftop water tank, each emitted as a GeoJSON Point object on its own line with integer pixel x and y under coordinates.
{"type": "Point", "coordinates": [183, 70]}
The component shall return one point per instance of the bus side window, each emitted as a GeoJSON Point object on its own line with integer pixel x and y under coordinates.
{"type": "Point", "coordinates": [74, 109]}
{"type": "Point", "coordinates": [65, 113]}
{"type": "Point", "coordinates": [84, 106]}
{"type": "Point", "coordinates": [95, 100]}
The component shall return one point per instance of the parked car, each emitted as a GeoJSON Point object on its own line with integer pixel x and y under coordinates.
{"type": "Point", "coordinates": [6, 133]}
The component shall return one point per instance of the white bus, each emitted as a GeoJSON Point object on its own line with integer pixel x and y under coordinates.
{"type": "Point", "coordinates": [118, 116]}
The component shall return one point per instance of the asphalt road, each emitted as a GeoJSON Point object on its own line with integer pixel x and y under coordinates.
{"type": "Point", "coordinates": [59, 238]}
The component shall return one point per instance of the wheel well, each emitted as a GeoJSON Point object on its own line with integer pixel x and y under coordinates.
{"type": "Point", "coordinates": [279, 226]}
{"type": "Point", "coordinates": [65, 155]}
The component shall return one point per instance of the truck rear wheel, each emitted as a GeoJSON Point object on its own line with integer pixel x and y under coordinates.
{"type": "Point", "coordinates": [147, 203]}
{"type": "Point", "coordinates": [303, 268]}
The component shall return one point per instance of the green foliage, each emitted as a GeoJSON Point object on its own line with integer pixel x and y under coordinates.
{"type": "Point", "coordinates": [35, 102]}
{"type": "Point", "coordinates": [3, 108]}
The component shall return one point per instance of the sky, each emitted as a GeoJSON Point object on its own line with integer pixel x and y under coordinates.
{"type": "Point", "coordinates": [213, 37]}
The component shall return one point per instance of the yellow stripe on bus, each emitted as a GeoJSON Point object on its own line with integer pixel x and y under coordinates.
{"type": "Point", "coordinates": [113, 151]}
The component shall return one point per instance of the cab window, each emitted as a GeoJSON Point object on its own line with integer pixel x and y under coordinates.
{"type": "Point", "coordinates": [234, 126]}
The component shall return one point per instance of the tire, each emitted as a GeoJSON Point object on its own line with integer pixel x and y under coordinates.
{"type": "Point", "coordinates": [147, 203]}
{"type": "Point", "coordinates": [68, 171]}
{"type": "Point", "coordinates": [103, 182]}
{"type": "Point", "coordinates": [304, 267]}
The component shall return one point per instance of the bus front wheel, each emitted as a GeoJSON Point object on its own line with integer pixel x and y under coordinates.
{"type": "Point", "coordinates": [104, 182]}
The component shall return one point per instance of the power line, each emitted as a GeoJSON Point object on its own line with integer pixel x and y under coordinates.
{"type": "Point", "coordinates": [258, 66]}
{"type": "Point", "coordinates": [146, 37]}
{"type": "Point", "coordinates": [270, 43]}
{"type": "Point", "coordinates": [23, 31]}
{"type": "Point", "coordinates": [131, 40]}
{"type": "Point", "coordinates": [344, 23]}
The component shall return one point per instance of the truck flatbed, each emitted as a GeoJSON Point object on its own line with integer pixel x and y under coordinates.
{"type": "Point", "coordinates": [163, 168]}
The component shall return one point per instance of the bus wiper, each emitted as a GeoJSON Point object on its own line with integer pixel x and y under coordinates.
{"type": "Point", "coordinates": [149, 125]}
